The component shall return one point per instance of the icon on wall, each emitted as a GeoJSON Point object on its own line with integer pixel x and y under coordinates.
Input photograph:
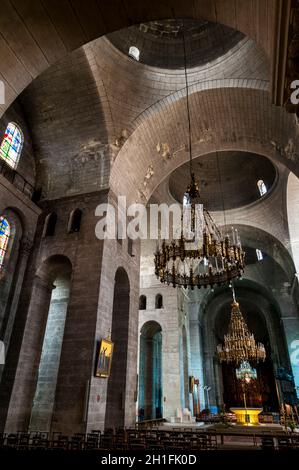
{"type": "Point", "coordinates": [104, 358]}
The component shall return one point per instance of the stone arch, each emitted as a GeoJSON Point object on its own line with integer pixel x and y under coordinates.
{"type": "Point", "coordinates": [75, 26]}
{"type": "Point", "coordinates": [150, 372]}
{"type": "Point", "coordinates": [74, 222]}
{"type": "Point", "coordinates": [50, 225]}
{"type": "Point", "coordinates": [159, 301]}
{"type": "Point", "coordinates": [250, 295]}
{"type": "Point", "coordinates": [45, 322]}
{"type": "Point", "coordinates": [148, 169]}
{"type": "Point", "coordinates": [116, 390]}
{"type": "Point", "coordinates": [58, 270]}
{"type": "Point", "coordinates": [142, 302]}
{"type": "Point", "coordinates": [12, 272]}
{"type": "Point", "coordinates": [273, 248]}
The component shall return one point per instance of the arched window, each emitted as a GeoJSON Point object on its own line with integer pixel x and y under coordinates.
{"type": "Point", "coordinates": [159, 301]}
{"type": "Point", "coordinates": [134, 52]}
{"type": "Point", "coordinates": [11, 145]}
{"type": "Point", "coordinates": [259, 254]}
{"type": "Point", "coordinates": [4, 237]}
{"type": "Point", "coordinates": [185, 200]}
{"type": "Point", "coordinates": [50, 224]}
{"type": "Point", "coordinates": [262, 187]}
{"type": "Point", "coordinates": [75, 221]}
{"type": "Point", "coordinates": [142, 302]}
{"type": "Point", "coordinates": [130, 247]}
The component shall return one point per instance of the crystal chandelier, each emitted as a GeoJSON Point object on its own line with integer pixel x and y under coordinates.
{"type": "Point", "coordinates": [239, 343]}
{"type": "Point", "coordinates": [204, 257]}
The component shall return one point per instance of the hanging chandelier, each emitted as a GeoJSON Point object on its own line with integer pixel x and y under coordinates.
{"type": "Point", "coordinates": [245, 372]}
{"type": "Point", "coordinates": [205, 257]}
{"type": "Point", "coordinates": [239, 344]}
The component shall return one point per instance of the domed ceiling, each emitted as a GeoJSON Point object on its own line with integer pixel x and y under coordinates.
{"type": "Point", "coordinates": [161, 42]}
{"type": "Point", "coordinates": [227, 180]}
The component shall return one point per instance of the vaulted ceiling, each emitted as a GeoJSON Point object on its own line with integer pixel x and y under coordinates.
{"type": "Point", "coordinates": [36, 34]}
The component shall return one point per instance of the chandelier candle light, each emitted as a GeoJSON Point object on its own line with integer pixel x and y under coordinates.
{"type": "Point", "coordinates": [239, 344]}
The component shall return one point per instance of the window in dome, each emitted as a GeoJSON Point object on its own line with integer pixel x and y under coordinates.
{"type": "Point", "coordinates": [134, 52]}
{"type": "Point", "coordinates": [262, 187]}
{"type": "Point", "coordinates": [259, 254]}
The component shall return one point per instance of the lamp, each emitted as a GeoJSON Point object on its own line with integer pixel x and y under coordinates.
{"type": "Point", "coordinates": [239, 344]}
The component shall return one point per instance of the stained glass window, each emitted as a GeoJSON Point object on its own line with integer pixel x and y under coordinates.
{"type": "Point", "coordinates": [11, 146]}
{"type": "Point", "coordinates": [4, 237]}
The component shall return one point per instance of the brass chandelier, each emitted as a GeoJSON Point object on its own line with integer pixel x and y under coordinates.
{"type": "Point", "coordinates": [204, 257]}
{"type": "Point", "coordinates": [239, 344]}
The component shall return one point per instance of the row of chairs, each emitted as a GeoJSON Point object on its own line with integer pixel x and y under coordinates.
{"type": "Point", "coordinates": [120, 439]}
{"type": "Point", "coordinates": [290, 442]}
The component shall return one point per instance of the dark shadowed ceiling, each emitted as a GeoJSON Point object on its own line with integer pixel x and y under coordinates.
{"type": "Point", "coordinates": [161, 43]}
{"type": "Point", "coordinates": [227, 180]}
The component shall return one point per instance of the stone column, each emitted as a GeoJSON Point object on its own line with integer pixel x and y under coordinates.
{"type": "Point", "coordinates": [290, 322]}
{"type": "Point", "coordinates": [171, 365]}
{"type": "Point", "coordinates": [196, 366]}
{"type": "Point", "coordinates": [132, 349]}
{"type": "Point", "coordinates": [21, 399]}
{"type": "Point", "coordinates": [24, 252]}
{"type": "Point", "coordinates": [148, 379]}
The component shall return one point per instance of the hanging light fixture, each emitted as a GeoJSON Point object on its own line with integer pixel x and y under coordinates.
{"type": "Point", "coordinates": [239, 344]}
{"type": "Point", "coordinates": [245, 372]}
{"type": "Point", "coordinates": [195, 261]}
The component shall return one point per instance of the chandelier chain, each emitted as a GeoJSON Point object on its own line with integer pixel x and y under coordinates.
{"type": "Point", "coordinates": [187, 101]}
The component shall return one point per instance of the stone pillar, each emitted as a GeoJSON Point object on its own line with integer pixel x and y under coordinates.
{"type": "Point", "coordinates": [44, 398]}
{"type": "Point", "coordinates": [21, 399]}
{"type": "Point", "coordinates": [132, 348]}
{"type": "Point", "coordinates": [7, 326]}
{"type": "Point", "coordinates": [148, 379]}
{"type": "Point", "coordinates": [196, 366]}
{"type": "Point", "coordinates": [171, 367]}
{"type": "Point", "coordinates": [290, 322]}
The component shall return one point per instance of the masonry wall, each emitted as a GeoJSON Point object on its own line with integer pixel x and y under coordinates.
{"type": "Point", "coordinates": [84, 251]}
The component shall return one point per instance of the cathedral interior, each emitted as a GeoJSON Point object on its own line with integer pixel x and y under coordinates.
{"type": "Point", "coordinates": [109, 100]}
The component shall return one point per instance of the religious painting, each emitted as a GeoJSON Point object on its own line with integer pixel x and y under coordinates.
{"type": "Point", "coordinates": [104, 358]}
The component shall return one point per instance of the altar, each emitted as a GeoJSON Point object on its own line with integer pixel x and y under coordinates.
{"type": "Point", "coordinates": [247, 416]}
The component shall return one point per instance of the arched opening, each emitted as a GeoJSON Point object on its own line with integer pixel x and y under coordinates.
{"type": "Point", "coordinates": [11, 146]}
{"type": "Point", "coordinates": [142, 302]}
{"type": "Point", "coordinates": [159, 301]}
{"type": "Point", "coordinates": [150, 372]}
{"type": "Point", "coordinates": [4, 240]}
{"type": "Point", "coordinates": [130, 247]}
{"type": "Point", "coordinates": [13, 260]}
{"type": "Point", "coordinates": [262, 187]}
{"type": "Point", "coordinates": [184, 369]}
{"type": "Point", "coordinates": [75, 221]}
{"type": "Point", "coordinates": [116, 390]}
{"type": "Point", "coordinates": [262, 315]}
{"type": "Point", "coordinates": [50, 225]}
{"type": "Point", "coordinates": [56, 273]}
{"type": "Point", "coordinates": [261, 392]}
{"type": "Point", "coordinates": [259, 254]}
